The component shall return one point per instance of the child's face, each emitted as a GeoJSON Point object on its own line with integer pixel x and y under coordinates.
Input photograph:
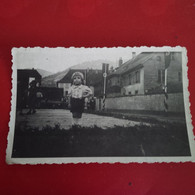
{"type": "Point", "coordinates": [77, 80]}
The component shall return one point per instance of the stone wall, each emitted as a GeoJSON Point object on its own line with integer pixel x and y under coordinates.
{"type": "Point", "coordinates": [145, 102]}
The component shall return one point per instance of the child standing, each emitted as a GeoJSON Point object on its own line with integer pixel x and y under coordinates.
{"type": "Point", "coordinates": [77, 93]}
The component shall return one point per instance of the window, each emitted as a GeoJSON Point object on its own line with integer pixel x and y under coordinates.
{"type": "Point", "coordinates": [137, 76]}
{"type": "Point", "coordinates": [122, 82]}
{"type": "Point", "coordinates": [179, 77]}
{"type": "Point", "coordinates": [130, 79]}
{"type": "Point", "coordinates": [136, 92]}
{"type": "Point", "coordinates": [133, 79]}
{"type": "Point", "coordinates": [129, 92]}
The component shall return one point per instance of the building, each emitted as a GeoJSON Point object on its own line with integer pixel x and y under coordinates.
{"type": "Point", "coordinates": [25, 76]}
{"type": "Point", "coordinates": [144, 74]}
{"type": "Point", "coordinates": [90, 77]}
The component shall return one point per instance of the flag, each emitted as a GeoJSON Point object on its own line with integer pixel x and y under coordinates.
{"type": "Point", "coordinates": [167, 59]}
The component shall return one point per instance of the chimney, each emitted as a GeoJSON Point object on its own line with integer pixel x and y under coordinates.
{"type": "Point", "coordinates": [133, 54]}
{"type": "Point", "coordinates": [120, 62]}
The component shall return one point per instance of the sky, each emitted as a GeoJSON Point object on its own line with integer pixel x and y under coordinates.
{"type": "Point", "coordinates": [59, 59]}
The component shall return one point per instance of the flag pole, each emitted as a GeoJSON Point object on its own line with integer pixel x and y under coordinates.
{"type": "Point", "coordinates": [104, 94]}
{"type": "Point", "coordinates": [166, 94]}
{"type": "Point", "coordinates": [105, 69]}
{"type": "Point", "coordinates": [167, 64]}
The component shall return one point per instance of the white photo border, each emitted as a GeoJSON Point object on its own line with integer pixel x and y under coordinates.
{"type": "Point", "coordinates": [65, 160]}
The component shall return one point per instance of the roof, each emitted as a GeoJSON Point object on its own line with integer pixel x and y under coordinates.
{"type": "Point", "coordinates": [132, 64]}
{"type": "Point", "coordinates": [92, 75]}
{"type": "Point", "coordinates": [68, 75]}
{"type": "Point", "coordinates": [28, 73]}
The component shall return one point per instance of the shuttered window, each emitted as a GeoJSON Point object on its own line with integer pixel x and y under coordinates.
{"type": "Point", "coordinates": [137, 76]}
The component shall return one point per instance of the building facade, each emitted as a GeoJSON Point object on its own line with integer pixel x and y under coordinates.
{"type": "Point", "coordinates": [145, 74]}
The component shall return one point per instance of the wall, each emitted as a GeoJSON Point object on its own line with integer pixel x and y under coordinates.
{"type": "Point", "coordinates": [151, 73]}
{"type": "Point", "coordinates": [174, 68]}
{"type": "Point", "coordinates": [146, 102]}
{"type": "Point", "coordinates": [152, 66]}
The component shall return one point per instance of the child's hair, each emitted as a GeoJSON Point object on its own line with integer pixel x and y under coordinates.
{"type": "Point", "coordinates": [77, 74]}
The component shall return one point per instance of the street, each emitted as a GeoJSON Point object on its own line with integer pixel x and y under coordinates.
{"type": "Point", "coordinates": [51, 117]}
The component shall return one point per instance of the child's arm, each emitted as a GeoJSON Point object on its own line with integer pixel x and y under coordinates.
{"type": "Point", "coordinates": [69, 96]}
{"type": "Point", "coordinates": [87, 92]}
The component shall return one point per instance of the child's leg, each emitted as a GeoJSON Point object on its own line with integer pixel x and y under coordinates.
{"type": "Point", "coordinates": [74, 121]}
{"type": "Point", "coordinates": [77, 120]}
{"type": "Point", "coordinates": [80, 121]}
{"type": "Point", "coordinates": [79, 115]}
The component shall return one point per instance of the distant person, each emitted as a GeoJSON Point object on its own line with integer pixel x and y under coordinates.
{"type": "Point", "coordinates": [32, 97]}
{"type": "Point", "coordinates": [92, 103]}
{"type": "Point", "coordinates": [88, 104]}
{"type": "Point", "coordinates": [39, 99]}
{"type": "Point", "coordinates": [77, 93]}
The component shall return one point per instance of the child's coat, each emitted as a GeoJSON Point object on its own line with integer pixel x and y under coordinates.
{"type": "Point", "coordinates": [77, 95]}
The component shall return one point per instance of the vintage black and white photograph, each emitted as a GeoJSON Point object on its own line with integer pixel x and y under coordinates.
{"type": "Point", "coordinates": [72, 105]}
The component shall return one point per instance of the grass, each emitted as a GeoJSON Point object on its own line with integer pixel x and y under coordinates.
{"type": "Point", "coordinates": [157, 140]}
